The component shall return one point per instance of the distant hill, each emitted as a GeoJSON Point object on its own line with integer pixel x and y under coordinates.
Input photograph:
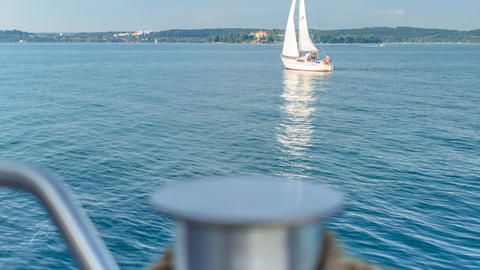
{"type": "Point", "coordinates": [398, 33]}
{"type": "Point", "coordinates": [253, 35]}
{"type": "Point", "coordinates": [410, 34]}
{"type": "Point", "coordinates": [12, 35]}
{"type": "Point", "coordinates": [474, 32]}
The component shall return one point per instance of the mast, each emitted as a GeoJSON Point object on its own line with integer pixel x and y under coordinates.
{"type": "Point", "coordinates": [305, 44]}
{"type": "Point", "coordinates": [290, 46]}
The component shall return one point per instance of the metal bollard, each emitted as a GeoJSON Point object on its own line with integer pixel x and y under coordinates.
{"type": "Point", "coordinates": [253, 223]}
{"type": "Point", "coordinates": [79, 233]}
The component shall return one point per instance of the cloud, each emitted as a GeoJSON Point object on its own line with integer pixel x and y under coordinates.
{"type": "Point", "coordinates": [396, 13]}
{"type": "Point", "coordinates": [205, 19]}
{"type": "Point", "coordinates": [376, 12]}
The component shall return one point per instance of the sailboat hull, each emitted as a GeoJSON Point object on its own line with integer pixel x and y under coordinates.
{"type": "Point", "coordinates": [293, 64]}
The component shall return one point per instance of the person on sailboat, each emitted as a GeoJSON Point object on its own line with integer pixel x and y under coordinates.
{"type": "Point", "coordinates": [310, 57]}
{"type": "Point", "coordinates": [328, 59]}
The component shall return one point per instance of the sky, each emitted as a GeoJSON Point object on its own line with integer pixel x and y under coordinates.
{"type": "Point", "coordinates": [129, 15]}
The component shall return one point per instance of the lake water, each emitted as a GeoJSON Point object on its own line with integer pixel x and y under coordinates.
{"type": "Point", "coordinates": [396, 128]}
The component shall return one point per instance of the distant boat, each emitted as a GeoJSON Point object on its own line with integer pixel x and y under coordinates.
{"type": "Point", "coordinates": [382, 45]}
{"type": "Point", "coordinates": [302, 54]}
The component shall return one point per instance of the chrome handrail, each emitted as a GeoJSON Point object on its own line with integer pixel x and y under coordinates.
{"type": "Point", "coordinates": [77, 229]}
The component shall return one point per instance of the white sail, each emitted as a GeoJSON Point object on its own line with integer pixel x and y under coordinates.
{"type": "Point", "coordinates": [290, 46]}
{"type": "Point", "coordinates": [305, 44]}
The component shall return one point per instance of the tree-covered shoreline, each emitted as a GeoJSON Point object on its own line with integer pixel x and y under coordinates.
{"type": "Point", "coordinates": [252, 35]}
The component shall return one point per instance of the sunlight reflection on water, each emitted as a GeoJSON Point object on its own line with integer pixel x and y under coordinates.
{"type": "Point", "coordinates": [296, 126]}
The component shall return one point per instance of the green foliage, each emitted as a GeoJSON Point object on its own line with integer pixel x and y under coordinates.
{"type": "Point", "coordinates": [403, 34]}
{"type": "Point", "coordinates": [241, 35]}
{"type": "Point", "coordinates": [227, 35]}
{"type": "Point", "coordinates": [13, 36]}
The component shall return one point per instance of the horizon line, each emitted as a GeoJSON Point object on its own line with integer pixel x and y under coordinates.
{"type": "Point", "coordinates": [253, 28]}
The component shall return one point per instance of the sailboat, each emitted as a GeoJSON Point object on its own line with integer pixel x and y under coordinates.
{"type": "Point", "coordinates": [301, 54]}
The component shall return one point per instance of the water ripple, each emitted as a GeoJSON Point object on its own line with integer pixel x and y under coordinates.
{"type": "Point", "coordinates": [116, 121]}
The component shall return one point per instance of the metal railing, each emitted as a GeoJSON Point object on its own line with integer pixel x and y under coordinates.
{"type": "Point", "coordinates": [77, 229]}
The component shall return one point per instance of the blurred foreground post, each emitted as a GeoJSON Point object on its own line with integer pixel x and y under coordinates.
{"type": "Point", "coordinates": [248, 223]}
